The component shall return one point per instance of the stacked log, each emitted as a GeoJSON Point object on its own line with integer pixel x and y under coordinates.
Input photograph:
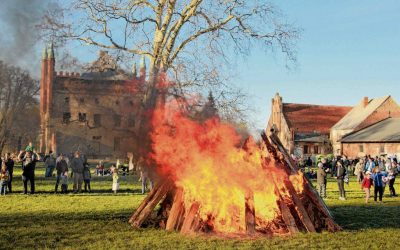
{"type": "Point", "coordinates": [298, 212]}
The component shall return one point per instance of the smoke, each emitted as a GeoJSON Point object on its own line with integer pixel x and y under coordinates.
{"type": "Point", "coordinates": [20, 35]}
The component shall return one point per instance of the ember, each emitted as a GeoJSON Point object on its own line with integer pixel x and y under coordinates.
{"type": "Point", "coordinates": [211, 183]}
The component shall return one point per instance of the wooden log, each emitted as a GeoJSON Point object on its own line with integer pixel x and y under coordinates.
{"type": "Point", "coordinates": [190, 219]}
{"type": "Point", "coordinates": [146, 211]}
{"type": "Point", "coordinates": [250, 216]}
{"type": "Point", "coordinates": [146, 200]}
{"type": "Point", "coordinates": [177, 210]}
{"type": "Point", "coordinates": [287, 217]}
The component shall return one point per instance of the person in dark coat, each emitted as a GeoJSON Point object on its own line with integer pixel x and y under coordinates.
{"type": "Point", "coordinates": [77, 167]}
{"type": "Point", "coordinates": [321, 180]}
{"type": "Point", "coordinates": [10, 168]}
{"type": "Point", "coordinates": [340, 174]}
{"type": "Point", "coordinates": [28, 159]}
{"type": "Point", "coordinates": [61, 168]}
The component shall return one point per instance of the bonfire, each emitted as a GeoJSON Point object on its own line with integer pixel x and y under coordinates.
{"type": "Point", "coordinates": [212, 182]}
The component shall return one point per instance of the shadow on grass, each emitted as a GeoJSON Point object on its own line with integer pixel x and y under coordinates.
{"type": "Point", "coordinates": [368, 216]}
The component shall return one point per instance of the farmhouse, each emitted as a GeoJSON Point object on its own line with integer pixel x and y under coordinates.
{"type": "Point", "coordinates": [304, 129]}
{"type": "Point", "coordinates": [381, 138]}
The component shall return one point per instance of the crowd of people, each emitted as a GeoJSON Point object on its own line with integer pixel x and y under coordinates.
{"type": "Point", "coordinates": [376, 172]}
{"type": "Point", "coordinates": [75, 166]}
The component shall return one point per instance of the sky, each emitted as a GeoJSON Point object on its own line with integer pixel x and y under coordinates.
{"type": "Point", "coordinates": [347, 50]}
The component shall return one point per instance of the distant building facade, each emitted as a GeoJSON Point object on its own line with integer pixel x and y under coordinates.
{"type": "Point", "coordinates": [94, 112]}
{"type": "Point", "coordinates": [381, 138]}
{"type": "Point", "coordinates": [367, 112]}
{"type": "Point", "coordinates": [304, 129]}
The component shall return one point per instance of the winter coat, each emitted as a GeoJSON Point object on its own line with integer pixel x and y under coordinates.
{"type": "Point", "coordinates": [321, 176]}
{"type": "Point", "coordinates": [76, 165]}
{"type": "Point", "coordinates": [61, 167]}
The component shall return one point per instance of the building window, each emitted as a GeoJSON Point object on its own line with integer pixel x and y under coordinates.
{"type": "Point", "coordinates": [316, 150]}
{"type": "Point", "coordinates": [82, 117]}
{"type": "Point", "coordinates": [97, 120]}
{"type": "Point", "coordinates": [66, 100]}
{"type": "Point", "coordinates": [382, 149]}
{"type": "Point", "coordinates": [117, 121]}
{"type": "Point", "coordinates": [361, 148]}
{"type": "Point", "coordinates": [97, 137]}
{"type": "Point", "coordinates": [66, 117]}
{"type": "Point", "coordinates": [305, 149]}
{"type": "Point", "coordinates": [82, 100]}
{"type": "Point", "coordinates": [131, 121]}
{"type": "Point", "coordinates": [117, 144]}
{"type": "Point", "coordinates": [96, 100]}
{"type": "Point", "coordinates": [131, 103]}
{"type": "Point", "coordinates": [117, 102]}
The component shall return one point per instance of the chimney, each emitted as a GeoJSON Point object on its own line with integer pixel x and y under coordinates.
{"type": "Point", "coordinates": [366, 101]}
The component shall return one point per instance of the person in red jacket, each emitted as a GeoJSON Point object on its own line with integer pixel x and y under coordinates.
{"type": "Point", "coordinates": [366, 185]}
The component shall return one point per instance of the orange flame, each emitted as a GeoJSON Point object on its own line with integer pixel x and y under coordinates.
{"type": "Point", "coordinates": [207, 162]}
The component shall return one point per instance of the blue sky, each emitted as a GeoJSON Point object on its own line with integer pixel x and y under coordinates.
{"type": "Point", "coordinates": [348, 50]}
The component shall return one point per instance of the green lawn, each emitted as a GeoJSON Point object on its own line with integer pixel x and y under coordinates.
{"type": "Point", "coordinates": [99, 221]}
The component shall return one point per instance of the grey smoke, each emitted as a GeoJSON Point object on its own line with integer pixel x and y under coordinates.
{"type": "Point", "coordinates": [19, 36]}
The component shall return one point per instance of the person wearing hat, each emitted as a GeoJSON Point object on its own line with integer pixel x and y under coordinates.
{"type": "Point", "coordinates": [340, 174]}
{"type": "Point", "coordinates": [366, 185]}
{"type": "Point", "coordinates": [321, 180]}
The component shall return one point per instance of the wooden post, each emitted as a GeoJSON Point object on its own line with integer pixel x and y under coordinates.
{"type": "Point", "coordinates": [190, 219]}
{"type": "Point", "coordinates": [250, 216]}
{"type": "Point", "coordinates": [177, 210]}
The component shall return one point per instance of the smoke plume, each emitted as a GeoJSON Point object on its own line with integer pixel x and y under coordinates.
{"type": "Point", "coordinates": [19, 40]}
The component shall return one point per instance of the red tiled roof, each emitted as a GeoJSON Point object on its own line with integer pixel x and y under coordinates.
{"type": "Point", "coordinates": [306, 118]}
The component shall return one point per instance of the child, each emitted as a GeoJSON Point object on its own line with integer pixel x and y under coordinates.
{"type": "Point", "coordinates": [366, 185]}
{"type": "Point", "coordinates": [64, 182]}
{"type": "Point", "coordinates": [4, 176]}
{"type": "Point", "coordinates": [115, 176]}
{"type": "Point", "coordinates": [86, 177]}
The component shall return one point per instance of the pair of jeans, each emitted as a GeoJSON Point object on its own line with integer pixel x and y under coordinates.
{"type": "Point", "coordinates": [9, 183]}
{"type": "Point", "coordinates": [378, 190]}
{"type": "Point", "coordinates": [144, 184]}
{"type": "Point", "coordinates": [391, 187]}
{"type": "Point", "coordinates": [322, 190]}
{"type": "Point", "coordinates": [342, 192]}
{"type": "Point", "coordinates": [49, 171]}
{"type": "Point", "coordinates": [3, 187]}
{"type": "Point", "coordinates": [78, 179]}
{"type": "Point", "coordinates": [30, 176]}
{"type": "Point", "coordinates": [58, 178]}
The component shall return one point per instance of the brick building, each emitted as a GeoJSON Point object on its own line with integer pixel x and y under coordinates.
{"type": "Point", "coordinates": [304, 129]}
{"type": "Point", "coordinates": [367, 112]}
{"type": "Point", "coordinates": [381, 138]}
{"type": "Point", "coordinates": [94, 112]}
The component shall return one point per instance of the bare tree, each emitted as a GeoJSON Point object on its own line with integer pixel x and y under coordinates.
{"type": "Point", "coordinates": [18, 105]}
{"type": "Point", "coordinates": [175, 35]}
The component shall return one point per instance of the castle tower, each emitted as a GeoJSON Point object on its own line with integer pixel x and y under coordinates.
{"type": "Point", "coordinates": [43, 100]}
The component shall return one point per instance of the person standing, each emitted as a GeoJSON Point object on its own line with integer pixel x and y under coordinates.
{"type": "Point", "coordinates": [144, 174]}
{"type": "Point", "coordinates": [321, 180]}
{"type": "Point", "coordinates": [366, 185]}
{"type": "Point", "coordinates": [28, 159]}
{"type": "Point", "coordinates": [340, 174]}
{"type": "Point", "coordinates": [358, 170]}
{"type": "Point", "coordinates": [77, 166]}
{"type": "Point", "coordinates": [4, 177]}
{"type": "Point", "coordinates": [392, 173]}
{"type": "Point", "coordinates": [115, 185]}
{"type": "Point", "coordinates": [86, 177]}
{"type": "Point", "coordinates": [10, 168]}
{"type": "Point", "coordinates": [50, 164]}
{"type": "Point", "coordinates": [377, 177]}
{"type": "Point", "coordinates": [61, 169]}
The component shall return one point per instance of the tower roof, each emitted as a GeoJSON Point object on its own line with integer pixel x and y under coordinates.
{"type": "Point", "coordinates": [50, 51]}
{"type": "Point", "coordinates": [44, 53]}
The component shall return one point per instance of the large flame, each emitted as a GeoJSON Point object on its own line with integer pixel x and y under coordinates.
{"type": "Point", "coordinates": [207, 161]}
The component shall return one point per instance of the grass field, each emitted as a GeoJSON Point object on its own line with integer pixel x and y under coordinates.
{"type": "Point", "coordinates": [99, 221]}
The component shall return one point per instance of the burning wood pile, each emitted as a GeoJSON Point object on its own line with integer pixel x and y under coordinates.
{"type": "Point", "coordinates": [207, 187]}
